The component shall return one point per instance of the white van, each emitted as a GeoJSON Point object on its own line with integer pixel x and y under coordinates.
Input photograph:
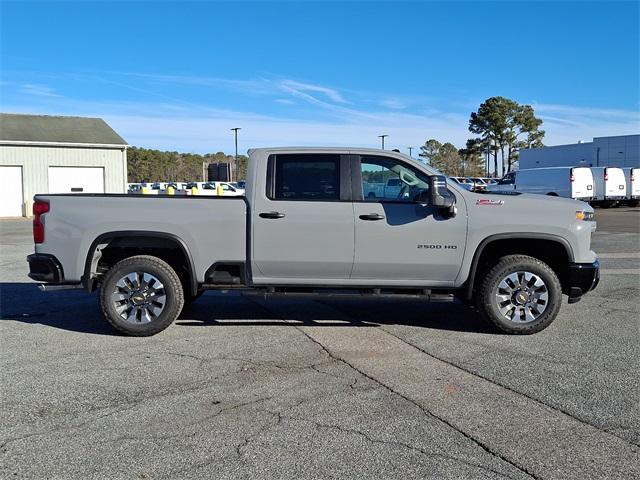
{"type": "Point", "coordinates": [609, 184]}
{"type": "Point", "coordinates": [568, 182]}
{"type": "Point", "coordinates": [632, 176]}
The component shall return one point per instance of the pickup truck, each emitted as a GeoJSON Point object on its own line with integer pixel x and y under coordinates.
{"type": "Point", "coordinates": [306, 226]}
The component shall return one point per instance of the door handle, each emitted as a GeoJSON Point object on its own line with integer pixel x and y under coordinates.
{"type": "Point", "coordinates": [271, 215]}
{"type": "Point", "coordinates": [372, 216]}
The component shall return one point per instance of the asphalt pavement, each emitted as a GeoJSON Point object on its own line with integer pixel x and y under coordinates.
{"type": "Point", "coordinates": [248, 387]}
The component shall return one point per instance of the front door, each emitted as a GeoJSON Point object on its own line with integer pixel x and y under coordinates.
{"type": "Point", "coordinates": [399, 236]}
{"type": "Point", "coordinates": [303, 224]}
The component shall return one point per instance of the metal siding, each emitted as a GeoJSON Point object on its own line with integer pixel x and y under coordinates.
{"type": "Point", "coordinates": [618, 151]}
{"type": "Point", "coordinates": [35, 163]}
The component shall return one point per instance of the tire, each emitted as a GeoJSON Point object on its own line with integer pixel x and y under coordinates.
{"type": "Point", "coordinates": [532, 300]}
{"type": "Point", "coordinates": [634, 203]}
{"type": "Point", "coordinates": [130, 302]}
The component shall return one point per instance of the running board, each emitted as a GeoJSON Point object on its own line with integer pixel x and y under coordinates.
{"type": "Point", "coordinates": [54, 287]}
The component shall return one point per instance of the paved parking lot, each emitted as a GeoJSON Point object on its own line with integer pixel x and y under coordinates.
{"type": "Point", "coordinates": [243, 387]}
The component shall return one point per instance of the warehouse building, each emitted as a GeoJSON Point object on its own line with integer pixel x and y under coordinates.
{"type": "Point", "coordinates": [51, 154]}
{"type": "Point", "coordinates": [618, 151]}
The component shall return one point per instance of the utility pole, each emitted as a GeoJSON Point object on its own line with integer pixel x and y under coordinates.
{"type": "Point", "coordinates": [235, 134]}
{"type": "Point", "coordinates": [410, 148]}
{"type": "Point", "coordinates": [382, 137]}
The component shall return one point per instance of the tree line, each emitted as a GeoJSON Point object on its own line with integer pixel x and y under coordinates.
{"type": "Point", "coordinates": [504, 127]}
{"type": "Point", "coordinates": [147, 165]}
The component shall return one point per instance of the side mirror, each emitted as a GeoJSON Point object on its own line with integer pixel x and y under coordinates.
{"type": "Point", "coordinates": [440, 195]}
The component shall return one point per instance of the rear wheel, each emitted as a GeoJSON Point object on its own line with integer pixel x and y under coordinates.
{"type": "Point", "coordinates": [520, 295]}
{"type": "Point", "coordinates": [141, 295]}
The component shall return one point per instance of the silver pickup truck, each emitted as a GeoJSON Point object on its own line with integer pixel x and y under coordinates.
{"type": "Point", "coordinates": [306, 226]}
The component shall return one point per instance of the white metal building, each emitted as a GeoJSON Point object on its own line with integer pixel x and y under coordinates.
{"type": "Point", "coordinates": [51, 154]}
{"type": "Point", "coordinates": [618, 151]}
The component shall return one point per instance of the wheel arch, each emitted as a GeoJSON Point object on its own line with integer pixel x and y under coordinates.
{"type": "Point", "coordinates": [136, 239]}
{"type": "Point", "coordinates": [522, 243]}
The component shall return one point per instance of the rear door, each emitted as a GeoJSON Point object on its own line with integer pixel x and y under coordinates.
{"type": "Point", "coordinates": [581, 180]}
{"type": "Point", "coordinates": [400, 238]}
{"type": "Point", "coordinates": [634, 181]}
{"type": "Point", "coordinates": [614, 183]}
{"type": "Point", "coordinates": [303, 230]}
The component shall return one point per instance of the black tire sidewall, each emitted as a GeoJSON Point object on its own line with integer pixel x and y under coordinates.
{"type": "Point", "coordinates": [506, 266]}
{"type": "Point", "coordinates": [159, 269]}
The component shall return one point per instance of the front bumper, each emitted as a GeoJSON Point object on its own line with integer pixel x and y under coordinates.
{"type": "Point", "coordinates": [582, 278]}
{"type": "Point", "coordinates": [44, 267]}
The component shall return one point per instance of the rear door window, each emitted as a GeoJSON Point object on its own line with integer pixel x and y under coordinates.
{"type": "Point", "coordinates": [311, 177]}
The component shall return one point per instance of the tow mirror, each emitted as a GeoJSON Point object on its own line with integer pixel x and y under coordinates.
{"type": "Point", "coordinates": [441, 197]}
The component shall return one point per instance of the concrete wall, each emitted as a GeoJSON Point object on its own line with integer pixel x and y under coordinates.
{"type": "Point", "coordinates": [620, 151]}
{"type": "Point", "coordinates": [36, 160]}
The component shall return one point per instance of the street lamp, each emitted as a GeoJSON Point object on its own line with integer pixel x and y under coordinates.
{"type": "Point", "coordinates": [382, 137]}
{"type": "Point", "coordinates": [410, 148]}
{"type": "Point", "coordinates": [235, 134]}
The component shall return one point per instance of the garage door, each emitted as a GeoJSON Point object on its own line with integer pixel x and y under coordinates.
{"type": "Point", "coordinates": [76, 180]}
{"type": "Point", "coordinates": [10, 191]}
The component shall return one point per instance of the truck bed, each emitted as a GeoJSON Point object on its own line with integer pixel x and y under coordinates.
{"type": "Point", "coordinates": [211, 229]}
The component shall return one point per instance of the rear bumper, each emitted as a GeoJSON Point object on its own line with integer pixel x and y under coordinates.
{"type": "Point", "coordinates": [45, 268]}
{"type": "Point", "coordinates": [582, 278]}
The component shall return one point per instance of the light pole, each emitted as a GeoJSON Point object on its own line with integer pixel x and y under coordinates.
{"type": "Point", "coordinates": [235, 134]}
{"type": "Point", "coordinates": [410, 148]}
{"type": "Point", "coordinates": [382, 137]}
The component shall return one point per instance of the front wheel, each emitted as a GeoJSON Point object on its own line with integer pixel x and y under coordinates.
{"type": "Point", "coordinates": [520, 295]}
{"type": "Point", "coordinates": [141, 295]}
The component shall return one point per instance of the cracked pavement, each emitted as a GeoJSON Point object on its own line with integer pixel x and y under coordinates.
{"type": "Point", "coordinates": [248, 387]}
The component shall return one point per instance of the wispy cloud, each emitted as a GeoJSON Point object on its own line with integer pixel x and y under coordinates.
{"type": "Point", "coordinates": [37, 90]}
{"type": "Point", "coordinates": [168, 118]}
{"type": "Point", "coordinates": [303, 89]}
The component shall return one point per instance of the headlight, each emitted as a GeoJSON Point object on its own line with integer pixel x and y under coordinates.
{"type": "Point", "coordinates": [584, 215]}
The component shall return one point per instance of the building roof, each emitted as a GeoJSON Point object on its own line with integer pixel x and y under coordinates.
{"type": "Point", "coordinates": [16, 128]}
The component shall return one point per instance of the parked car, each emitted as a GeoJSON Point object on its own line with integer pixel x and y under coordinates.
{"type": "Point", "coordinates": [632, 176]}
{"type": "Point", "coordinates": [134, 187]}
{"type": "Point", "coordinates": [306, 226]}
{"type": "Point", "coordinates": [568, 182]}
{"type": "Point", "coordinates": [610, 186]}
{"type": "Point", "coordinates": [479, 183]}
{"type": "Point", "coordinates": [230, 190]}
{"type": "Point", "coordinates": [466, 185]}
{"type": "Point", "coordinates": [490, 181]}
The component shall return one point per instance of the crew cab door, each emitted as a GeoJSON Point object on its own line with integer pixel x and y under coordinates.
{"type": "Point", "coordinates": [400, 238]}
{"type": "Point", "coordinates": [302, 222]}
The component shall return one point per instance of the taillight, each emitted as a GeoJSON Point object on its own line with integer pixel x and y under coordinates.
{"type": "Point", "coordinates": [572, 177]}
{"type": "Point", "coordinates": [632, 177]}
{"type": "Point", "coordinates": [39, 207]}
{"type": "Point", "coordinates": [606, 175]}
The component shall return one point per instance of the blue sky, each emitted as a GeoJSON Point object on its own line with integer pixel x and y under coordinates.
{"type": "Point", "coordinates": [178, 76]}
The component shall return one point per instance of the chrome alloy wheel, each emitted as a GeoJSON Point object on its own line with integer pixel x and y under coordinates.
{"type": "Point", "coordinates": [139, 297]}
{"type": "Point", "coordinates": [522, 297]}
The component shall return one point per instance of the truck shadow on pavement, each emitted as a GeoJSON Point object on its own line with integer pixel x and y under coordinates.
{"type": "Point", "coordinates": [77, 311]}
